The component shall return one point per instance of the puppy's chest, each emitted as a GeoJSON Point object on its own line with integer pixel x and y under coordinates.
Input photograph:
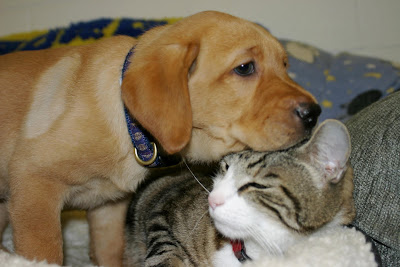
{"type": "Point", "coordinates": [114, 182]}
{"type": "Point", "coordinates": [93, 193]}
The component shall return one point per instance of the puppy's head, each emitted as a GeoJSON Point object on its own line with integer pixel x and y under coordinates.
{"type": "Point", "coordinates": [212, 84]}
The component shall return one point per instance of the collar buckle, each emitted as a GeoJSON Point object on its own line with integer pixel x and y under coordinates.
{"type": "Point", "coordinates": [146, 163]}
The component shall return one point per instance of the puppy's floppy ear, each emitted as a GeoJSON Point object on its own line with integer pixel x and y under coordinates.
{"type": "Point", "coordinates": [155, 88]}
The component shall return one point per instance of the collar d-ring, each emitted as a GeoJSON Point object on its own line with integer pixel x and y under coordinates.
{"type": "Point", "coordinates": [151, 160]}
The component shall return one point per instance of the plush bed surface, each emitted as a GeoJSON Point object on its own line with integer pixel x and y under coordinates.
{"type": "Point", "coordinates": [326, 248]}
{"type": "Point", "coordinates": [343, 84]}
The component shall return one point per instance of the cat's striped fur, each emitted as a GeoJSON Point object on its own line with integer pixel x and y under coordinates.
{"type": "Point", "coordinates": [168, 222]}
{"type": "Point", "coordinates": [269, 200]}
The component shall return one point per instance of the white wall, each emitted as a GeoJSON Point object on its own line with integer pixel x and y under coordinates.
{"type": "Point", "coordinates": [367, 27]}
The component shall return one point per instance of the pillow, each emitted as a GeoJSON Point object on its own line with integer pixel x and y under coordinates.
{"type": "Point", "coordinates": [343, 84]}
{"type": "Point", "coordinates": [375, 136]}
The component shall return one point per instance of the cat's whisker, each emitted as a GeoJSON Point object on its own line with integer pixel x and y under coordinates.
{"type": "Point", "coordinates": [260, 240]}
{"type": "Point", "coordinates": [197, 223]}
{"type": "Point", "coordinates": [272, 247]}
{"type": "Point", "coordinates": [264, 242]}
{"type": "Point", "coordinates": [184, 161]}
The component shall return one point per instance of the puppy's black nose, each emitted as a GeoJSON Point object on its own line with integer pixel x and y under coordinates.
{"type": "Point", "coordinates": [308, 113]}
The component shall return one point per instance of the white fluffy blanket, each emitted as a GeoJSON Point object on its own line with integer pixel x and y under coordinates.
{"type": "Point", "coordinates": [329, 247]}
{"type": "Point", "coordinates": [334, 247]}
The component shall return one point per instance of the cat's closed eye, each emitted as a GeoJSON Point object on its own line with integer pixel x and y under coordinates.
{"type": "Point", "coordinates": [258, 185]}
{"type": "Point", "coordinates": [254, 185]}
{"type": "Point", "coordinates": [224, 166]}
{"type": "Point", "coordinates": [272, 175]}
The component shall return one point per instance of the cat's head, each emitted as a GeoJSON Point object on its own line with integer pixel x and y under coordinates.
{"type": "Point", "coordinates": [280, 194]}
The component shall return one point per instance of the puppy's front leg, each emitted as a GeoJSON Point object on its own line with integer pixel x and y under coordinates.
{"type": "Point", "coordinates": [35, 206]}
{"type": "Point", "coordinates": [106, 224]}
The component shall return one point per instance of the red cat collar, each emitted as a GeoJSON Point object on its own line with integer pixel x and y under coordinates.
{"type": "Point", "coordinates": [239, 250]}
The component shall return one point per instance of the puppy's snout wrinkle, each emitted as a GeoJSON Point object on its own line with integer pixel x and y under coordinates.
{"type": "Point", "coordinates": [308, 113]}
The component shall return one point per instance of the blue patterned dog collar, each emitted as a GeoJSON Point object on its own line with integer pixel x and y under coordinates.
{"type": "Point", "coordinates": [146, 152]}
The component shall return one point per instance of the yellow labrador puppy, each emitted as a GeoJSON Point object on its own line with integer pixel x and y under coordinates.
{"type": "Point", "coordinates": [205, 86]}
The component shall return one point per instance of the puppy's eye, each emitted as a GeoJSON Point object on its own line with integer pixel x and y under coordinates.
{"type": "Point", "coordinates": [285, 63]}
{"type": "Point", "coordinates": [245, 69]}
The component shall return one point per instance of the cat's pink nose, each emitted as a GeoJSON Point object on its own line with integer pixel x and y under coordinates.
{"type": "Point", "coordinates": [215, 200]}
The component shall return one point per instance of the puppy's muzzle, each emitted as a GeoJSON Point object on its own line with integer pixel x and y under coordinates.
{"type": "Point", "coordinates": [308, 114]}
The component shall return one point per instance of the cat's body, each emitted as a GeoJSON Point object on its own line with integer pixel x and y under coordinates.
{"type": "Point", "coordinates": [267, 200]}
{"type": "Point", "coordinates": [158, 220]}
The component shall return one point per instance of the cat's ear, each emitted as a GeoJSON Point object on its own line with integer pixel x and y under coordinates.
{"type": "Point", "coordinates": [329, 149]}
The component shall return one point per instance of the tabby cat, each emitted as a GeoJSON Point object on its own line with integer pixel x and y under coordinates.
{"type": "Point", "coordinates": [260, 204]}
